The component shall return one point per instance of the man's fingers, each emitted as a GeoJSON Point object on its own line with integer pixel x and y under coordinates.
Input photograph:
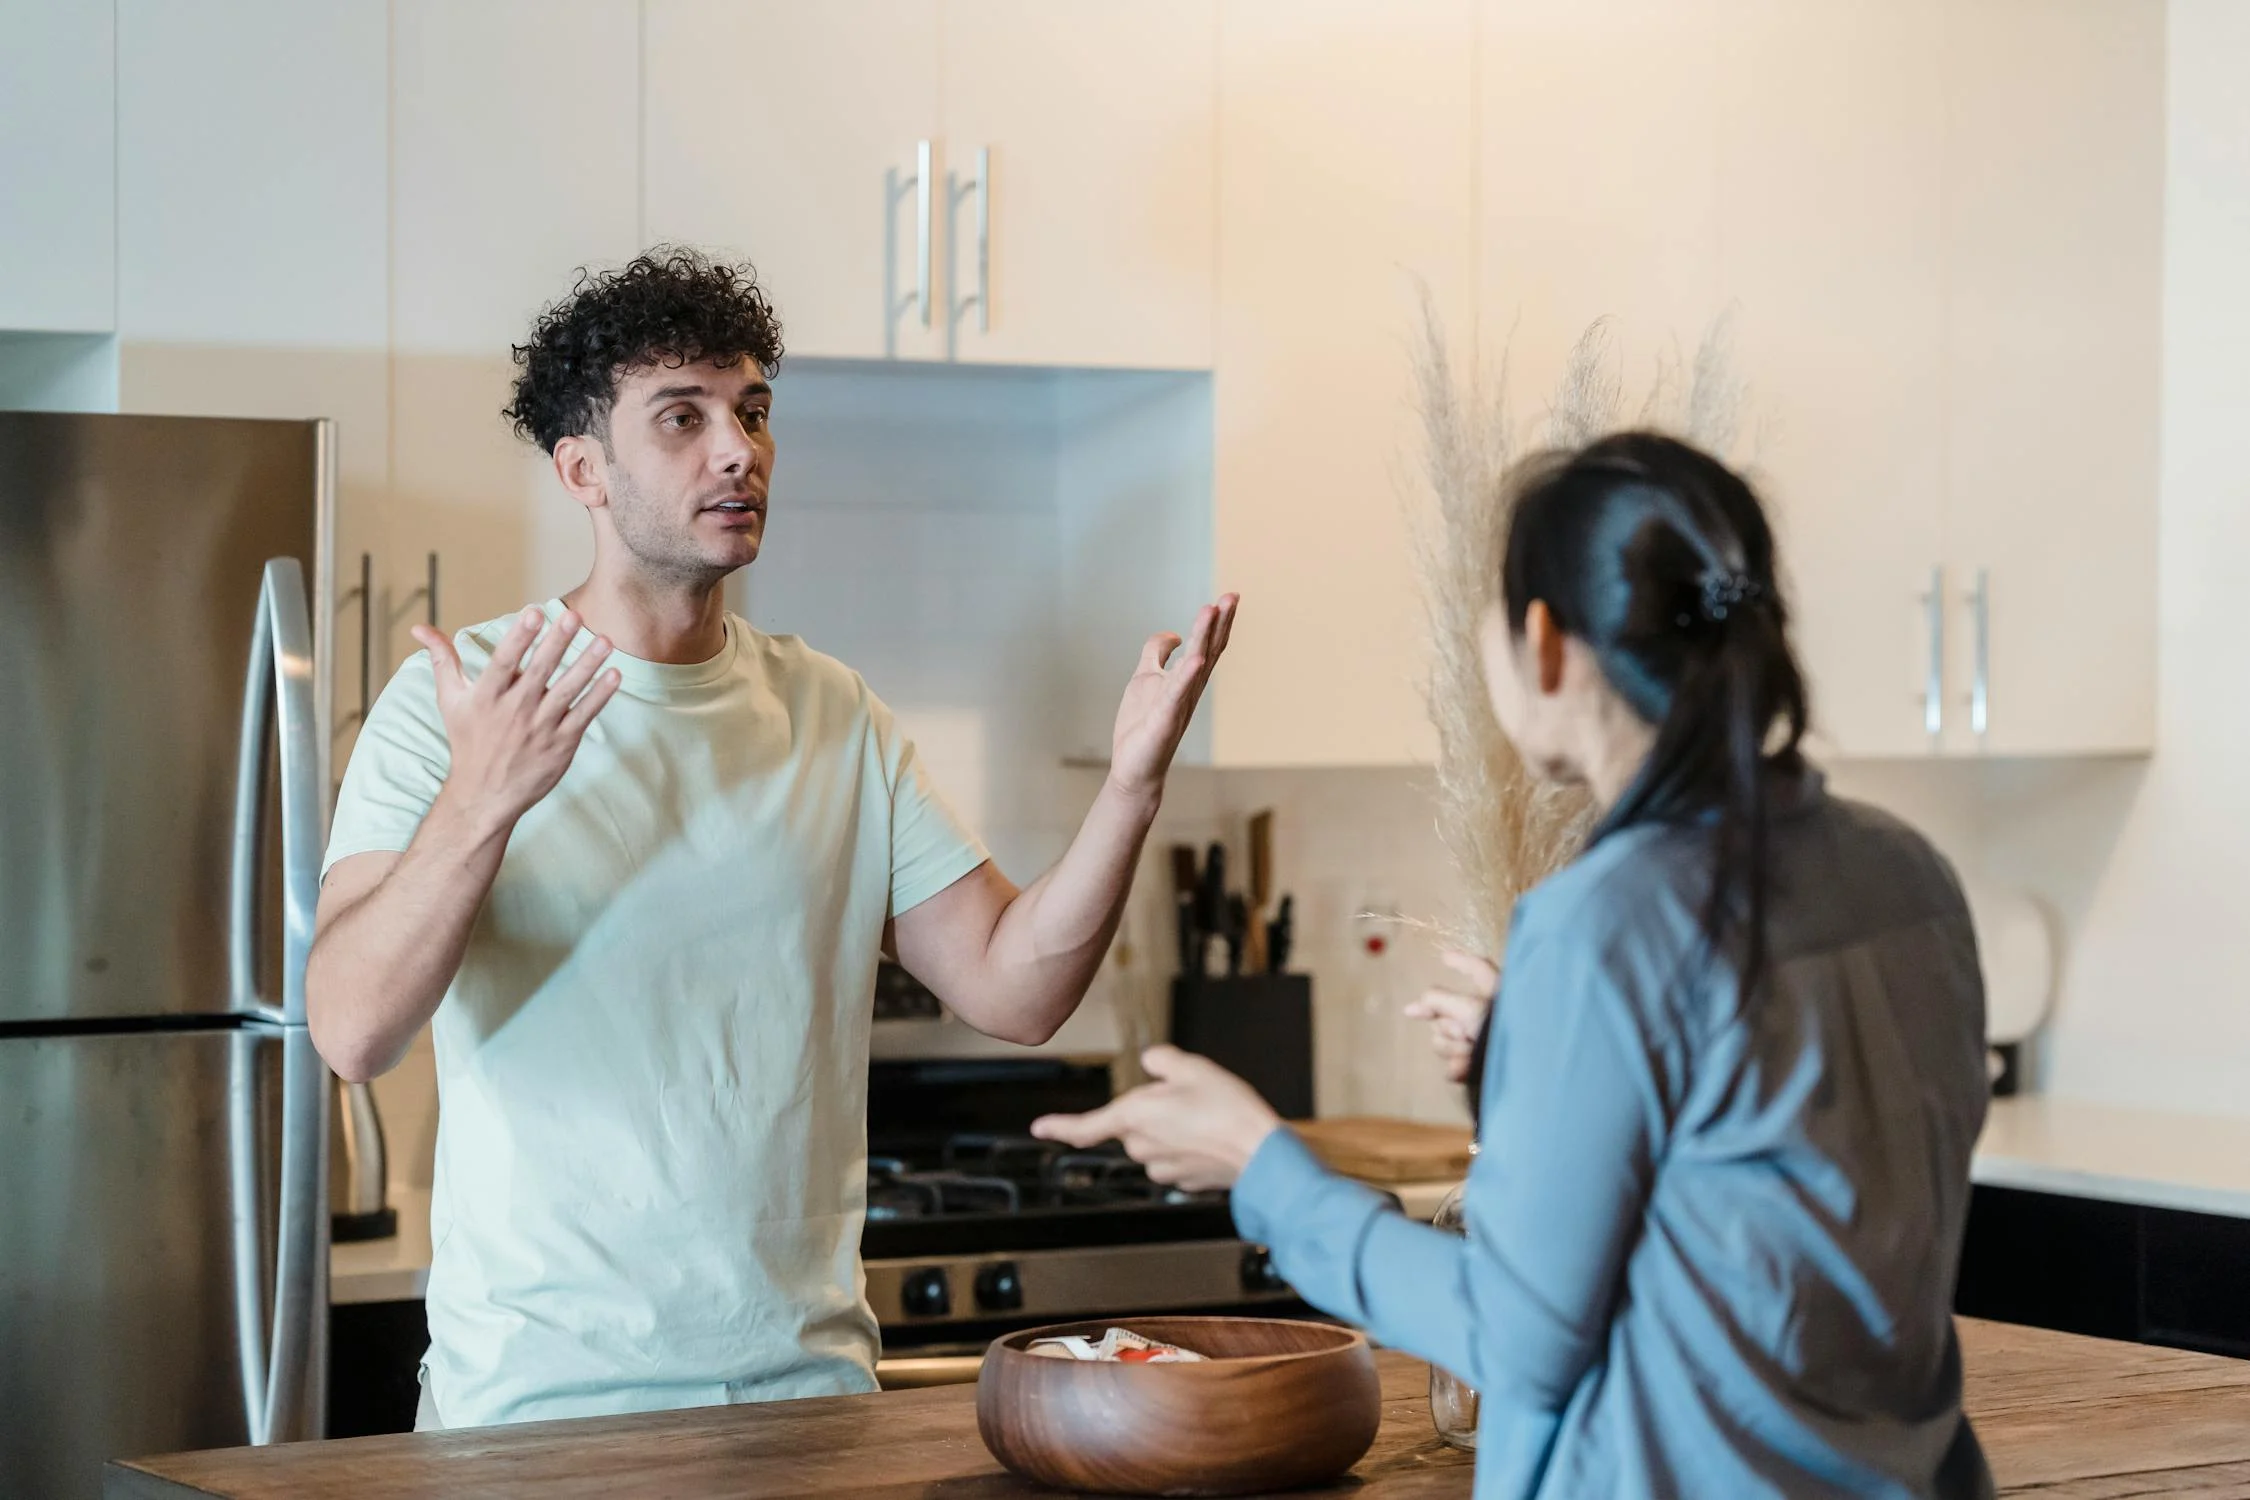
{"type": "Point", "coordinates": [444, 660]}
{"type": "Point", "coordinates": [1158, 651]}
{"type": "Point", "coordinates": [1228, 604]}
{"type": "Point", "coordinates": [545, 657]}
{"type": "Point", "coordinates": [507, 657]}
{"type": "Point", "coordinates": [1091, 1129]}
{"type": "Point", "coordinates": [590, 702]}
{"type": "Point", "coordinates": [564, 694]}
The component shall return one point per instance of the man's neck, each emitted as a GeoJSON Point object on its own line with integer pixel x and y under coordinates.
{"type": "Point", "coordinates": [675, 622]}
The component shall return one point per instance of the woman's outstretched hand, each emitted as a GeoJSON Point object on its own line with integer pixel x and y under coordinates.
{"type": "Point", "coordinates": [1195, 1127]}
{"type": "Point", "coordinates": [1456, 1012]}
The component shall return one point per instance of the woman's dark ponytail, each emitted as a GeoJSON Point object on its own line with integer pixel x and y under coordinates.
{"type": "Point", "coordinates": [1659, 557]}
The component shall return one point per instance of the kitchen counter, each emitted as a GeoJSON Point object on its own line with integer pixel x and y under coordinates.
{"type": "Point", "coordinates": [2199, 1163]}
{"type": "Point", "coordinates": [396, 1269]}
{"type": "Point", "coordinates": [2060, 1416]}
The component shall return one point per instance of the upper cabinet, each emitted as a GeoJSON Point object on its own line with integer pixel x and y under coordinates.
{"type": "Point", "coordinates": [1087, 239]}
{"type": "Point", "coordinates": [2054, 331]}
{"type": "Point", "coordinates": [1831, 202]}
{"type": "Point", "coordinates": [1345, 176]}
{"type": "Point", "coordinates": [58, 166]}
{"type": "Point", "coordinates": [996, 181]}
{"type": "Point", "coordinates": [791, 134]}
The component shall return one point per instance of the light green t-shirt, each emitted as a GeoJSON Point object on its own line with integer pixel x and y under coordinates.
{"type": "Point", "coordinates": [652, 1065]}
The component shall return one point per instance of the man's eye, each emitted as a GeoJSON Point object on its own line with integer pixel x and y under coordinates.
{"type": "Point", "coordinates": [680, 420]}
{"type": "Point", "coordinates": [755, 418]}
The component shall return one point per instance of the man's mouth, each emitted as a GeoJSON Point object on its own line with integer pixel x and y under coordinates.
{"type": "Point", "coordinates": [738, 506]}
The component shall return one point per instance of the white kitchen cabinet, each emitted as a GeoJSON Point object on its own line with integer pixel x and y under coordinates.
{"type": "Point", "coordinates": [788, 133]}
{"type": "Point", "coordinates": [1597, 185]}
{"type": "Point", "coordinates": [514, 161]}
{"type": "Point", "coordinates": [233, 228]}
{"type": "Point", "coordinates": [1099, 124]}
{"type": "Point", "coordinates": [2054, 322]}
{"type": "Point", "coordinates": [58, 166]}
{"type": "Point", "coordinates": [514, 135]}
{"type": "Point", "coordinates": [1095, 245]}
{"type": "Point", "coordinates": [252, 271]}
{"type": "Point", "coordinates": [1831, 198]}
{"type": "Point", "coordinates": [1345, 173]}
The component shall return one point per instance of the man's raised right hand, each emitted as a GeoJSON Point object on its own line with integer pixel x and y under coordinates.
{"type": "Point", "coordinates": [512, 731]}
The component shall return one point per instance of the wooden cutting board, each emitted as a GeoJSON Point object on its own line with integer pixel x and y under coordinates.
{"type": "Point", "coordinates": [1379, 1150]}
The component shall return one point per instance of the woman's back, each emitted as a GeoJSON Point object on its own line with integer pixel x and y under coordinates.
{"type": "Point", "coordinates": [1783, 1322]}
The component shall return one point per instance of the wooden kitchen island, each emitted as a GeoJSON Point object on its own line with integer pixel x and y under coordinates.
{"type": "Point", "coordinates": [2063, 1418]}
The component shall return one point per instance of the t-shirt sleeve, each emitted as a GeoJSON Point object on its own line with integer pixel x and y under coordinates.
{"type": "Point", "coordinates": [396, 768]}
{"type": "Point", "coordinates": [930, 846]}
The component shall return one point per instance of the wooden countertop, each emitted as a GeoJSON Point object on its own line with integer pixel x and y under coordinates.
{"type": "Point", "coordinates": [2062, 1417]}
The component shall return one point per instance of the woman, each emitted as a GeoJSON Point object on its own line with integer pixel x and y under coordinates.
{"type": "Point", "coordinates": [1735, 1067]}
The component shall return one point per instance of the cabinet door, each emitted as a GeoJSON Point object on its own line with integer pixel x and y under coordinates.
{"type": "Point", "coordinates": [1831, 200]}
{"type": "Point", "coordinates": [58, 166]}
{"type": "Point", "coordinates": [1597, 185]}
{"type": "Point", "coordinates": [786, 133]}
{"type": "Point", "coordinates": [2055, 218]}
{"type": "Point", "coordinates": [1344, 174]}
{"type": "Point", "coordinates": [514, 162]}
{"type": "Point", "coordinates": [252, 273]}
{"type": "Point", "coordinates": [1101, 125]}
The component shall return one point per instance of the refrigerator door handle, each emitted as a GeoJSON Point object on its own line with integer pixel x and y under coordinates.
{"type": "Point", "coordinates": [279, 688]}
{"type": "Point", "coordinates": [278, 683]}
{"type": "Point", "coordinates": [296, 1378]}
{"type": "Point", "coordinates": [243, 1154]}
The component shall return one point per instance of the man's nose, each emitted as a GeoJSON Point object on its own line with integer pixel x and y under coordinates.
{"type": "Point", "coordinates": [733, 450]}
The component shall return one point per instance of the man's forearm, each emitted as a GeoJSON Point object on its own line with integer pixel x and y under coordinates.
{"type": "Point", "coordinates": [380, 966]}
{"type": "Point", "coordinates": [1050, 942]}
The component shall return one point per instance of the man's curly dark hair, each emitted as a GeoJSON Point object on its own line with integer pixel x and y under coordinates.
{"type": "Point", "coordinates": [669, 305]}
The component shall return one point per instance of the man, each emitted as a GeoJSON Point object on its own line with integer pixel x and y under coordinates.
{"type": "Point", "coordinates": [638, 862]}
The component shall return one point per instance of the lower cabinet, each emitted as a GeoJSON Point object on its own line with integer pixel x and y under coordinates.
{"type": "Point", "coordinates": [374, 1355]}
{"type": "Point", "coordinates": [2108, 1270]}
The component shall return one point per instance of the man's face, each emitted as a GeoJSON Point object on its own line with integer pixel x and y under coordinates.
{"type": "Point", "coordinates": [690, 456]}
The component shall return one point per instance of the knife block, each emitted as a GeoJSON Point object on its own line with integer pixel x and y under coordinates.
{"type": "Point", "coordinates": [1257, 1026]}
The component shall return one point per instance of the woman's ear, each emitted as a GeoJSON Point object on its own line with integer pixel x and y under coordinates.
{"type": "Point", "coordinates": [1544, 641]}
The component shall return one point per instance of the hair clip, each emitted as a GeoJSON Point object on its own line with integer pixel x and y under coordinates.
{"type": "Point", "coordinates": [1724, 593]}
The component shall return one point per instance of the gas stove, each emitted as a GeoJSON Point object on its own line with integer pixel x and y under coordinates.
{"type": "Point", "coordinates": [974, 1228]}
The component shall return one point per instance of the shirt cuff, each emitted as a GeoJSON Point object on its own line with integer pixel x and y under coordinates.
{"type": "Point", "coordinates": [1312, 1221]}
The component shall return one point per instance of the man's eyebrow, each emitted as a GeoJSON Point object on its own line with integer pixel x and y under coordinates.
{"type": "Point", "coordinates": [674, 392]}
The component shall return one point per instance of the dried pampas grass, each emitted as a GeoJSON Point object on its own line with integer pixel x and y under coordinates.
{"type": "Point", "coordinates": [1505, 829]}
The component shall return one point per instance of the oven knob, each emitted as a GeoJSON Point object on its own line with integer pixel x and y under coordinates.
{"type": "Point", "coordinates": [1258, 1273]}
{"type": "Point", "coordinates": [999, 1287]}
{"type": "Point", "coordinates": [925, 1294]}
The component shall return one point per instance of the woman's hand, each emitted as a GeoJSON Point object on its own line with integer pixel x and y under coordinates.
{"type": "Point", "coordinates": [1195, 1127]}
{"type": "Point", "coordinates": [1456, 1013]}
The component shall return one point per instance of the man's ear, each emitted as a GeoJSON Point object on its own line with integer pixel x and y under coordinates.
{"type": "Point", "coordinates": [583, 468]}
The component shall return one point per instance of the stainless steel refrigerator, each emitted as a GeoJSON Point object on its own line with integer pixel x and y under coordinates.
{"type": "Point", "coordinates": [164, 589]}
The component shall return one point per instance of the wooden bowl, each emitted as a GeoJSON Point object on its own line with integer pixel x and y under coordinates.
{"type": "Point", "coordinates": [1275, 1405]}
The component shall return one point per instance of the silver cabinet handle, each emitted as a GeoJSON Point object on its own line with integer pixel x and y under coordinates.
{"type": "Point", "coordinates": [1933, 685]}
{"type": "Point", "coordinates": [981, 298]}
{"type": "Point", "coordinates": [1980, 689]}
{"type": "Point", "coordinates": [427, 593]}
{"type": "Point", "coordinates": [364, 593]}
{"type": "Point", "coordinates": [919, 298]}
{"type": "Point", "coordinates": [277, 690]}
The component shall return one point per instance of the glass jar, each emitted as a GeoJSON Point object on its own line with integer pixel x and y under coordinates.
{"type": "Point", "coordinates": [1453, 1405]}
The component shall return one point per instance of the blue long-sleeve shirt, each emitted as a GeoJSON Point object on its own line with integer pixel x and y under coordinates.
{"type": "Point", "coordinates": [1711, 1245]}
